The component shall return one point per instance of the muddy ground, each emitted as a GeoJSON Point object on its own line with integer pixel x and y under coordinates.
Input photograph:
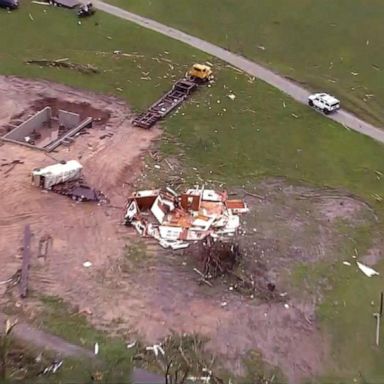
{"type": "Point", "coordinates": [139, 288]}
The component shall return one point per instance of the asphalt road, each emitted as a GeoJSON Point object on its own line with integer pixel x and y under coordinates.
{"type": "Point", "coordinates": [289, 87]}
{"type": "Point", "coordinates": [44, 340]}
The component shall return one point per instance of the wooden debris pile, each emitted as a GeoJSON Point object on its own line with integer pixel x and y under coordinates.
{"type": "Point", "coordinates": [178, 220]}
{"type": "Point", "coordinates": [65, 63]}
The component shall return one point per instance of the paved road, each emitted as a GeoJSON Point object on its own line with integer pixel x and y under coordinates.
{"type": "Point", "coordinates": [297, 92]}
{"type": "Point", "coordinates": [40, 339]}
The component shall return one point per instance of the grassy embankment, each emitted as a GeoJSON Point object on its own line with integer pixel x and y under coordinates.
{"type": "Point", "coordinates": [334, 46]}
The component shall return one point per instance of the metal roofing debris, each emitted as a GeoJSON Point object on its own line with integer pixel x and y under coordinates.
{"type": "Point", "coordinates": [175, 220]}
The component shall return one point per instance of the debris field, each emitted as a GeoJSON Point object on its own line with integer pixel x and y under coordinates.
{"type": "Point", "coordinates": [78, 252]}
{"type": "Point", "coordinates": [176, 220]}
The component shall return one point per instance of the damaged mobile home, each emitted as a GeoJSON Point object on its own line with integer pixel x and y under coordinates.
{"type": "Point", "coordinates": [176, 220]}
{"type": "Point", "coordinates": [65, 178]}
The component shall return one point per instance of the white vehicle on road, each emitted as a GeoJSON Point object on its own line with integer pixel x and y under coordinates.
{"type": "Point", "coordinates": [324, 102]}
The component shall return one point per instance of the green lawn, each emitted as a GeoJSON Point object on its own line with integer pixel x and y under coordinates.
{"type": "Point", "coordinates": [319, 43]}
{"type": "Point", "coordinates": [261, 133]}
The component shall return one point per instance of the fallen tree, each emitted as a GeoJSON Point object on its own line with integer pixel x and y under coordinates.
{"type": "Point", "coordinates": [226, 259]}
{"type": "Point", "coordinates": [218, 257]}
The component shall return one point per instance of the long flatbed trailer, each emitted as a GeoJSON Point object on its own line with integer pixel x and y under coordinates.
{"type": "Point", "coordinates": [167, 103]}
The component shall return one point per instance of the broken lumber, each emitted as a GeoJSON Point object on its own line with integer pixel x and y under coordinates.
{"type": "Point", "coordinates": [253, 195]}
{"type": "Point", "coordinates": [26, 261]}
{"type": "Point", "coordinates": [12, 165]}
{"type": "Point", "coordinates": [203, 279]}
{"type": "Point", "coordinates": [65, 63]}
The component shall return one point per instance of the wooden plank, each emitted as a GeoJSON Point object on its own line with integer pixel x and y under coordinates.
{"type": "Point", "coordinates": [26, 261]}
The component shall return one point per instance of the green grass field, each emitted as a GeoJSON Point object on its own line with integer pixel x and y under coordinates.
{"type": "Point", "coordinates": [261, 133]}
{"type": "Point", "coordinates": [319, 43]}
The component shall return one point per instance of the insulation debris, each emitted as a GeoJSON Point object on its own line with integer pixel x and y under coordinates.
{"type": "Point", "coordinates": [175, 220]}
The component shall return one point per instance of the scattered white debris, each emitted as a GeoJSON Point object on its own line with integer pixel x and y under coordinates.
{"type": "Point", "coordinates": [9, 326]}
{"type": "Point", "coordinates": [232, 96]}
{"type": "Point", "coordinates": [223, 304]}
{"type": "Point", "coordinates": [131, 345]}
{"type": "Point", "coordinates": [286, 306]}
{"type": "Point", "coordinates": [354, 73]}
{"type": "Point", "coordinates": [96, 349]}
{"type": "Point", "coordinates": [53, 368]}
{"type": "Point", "coordinates": [157, 166]}
{"type": "Point", "coordinates": [346, 263]}
{"type": "Point", "coordinates": [156, 348]}
{"type": "Point", "coordinates": [39, 357]}
{"type": "Point", "coordinates": [261, 47]}
{"type": "Point", "coordinates": [367, 270]}
{"type": "Point", "coordinates": [87, 264]}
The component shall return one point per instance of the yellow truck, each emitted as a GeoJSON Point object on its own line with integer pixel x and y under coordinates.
{"type": "Point", "coordinates": [200, 72]}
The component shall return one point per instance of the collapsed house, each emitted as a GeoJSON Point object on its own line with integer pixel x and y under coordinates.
{"type": "Point", "coordinates": [176, 220]}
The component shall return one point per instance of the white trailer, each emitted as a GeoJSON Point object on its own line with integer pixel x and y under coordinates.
{"type": "Point", "coordinates": [58, 173]}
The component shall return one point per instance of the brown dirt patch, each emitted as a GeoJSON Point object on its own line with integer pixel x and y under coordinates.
{"type": "Point", "coordinates": [79, 231]}
{"type": "Point", "coordinates": [156, 292]}
{"type": "Point", "coordinates": [84, 109]}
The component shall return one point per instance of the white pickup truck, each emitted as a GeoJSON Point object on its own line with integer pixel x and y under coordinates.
{"type": "Point", "coordinates": [324, 102]}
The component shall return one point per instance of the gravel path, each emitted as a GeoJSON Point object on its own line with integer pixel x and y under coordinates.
{"type": "Point", "coordinates": [297, 92]}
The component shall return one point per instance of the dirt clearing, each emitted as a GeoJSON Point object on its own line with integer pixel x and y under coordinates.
{"type": "Point", "coordinates": [79, 232]}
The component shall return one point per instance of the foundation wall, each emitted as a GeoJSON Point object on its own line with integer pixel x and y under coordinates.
{"type": "Point", "coordinates": [87, 123]}
{"type": "Point", "coordinates": [68, 119]}
{"type": "Point", "coordinates": [34, 122]}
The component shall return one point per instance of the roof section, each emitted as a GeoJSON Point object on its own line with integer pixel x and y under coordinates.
{"type": "Point", "coordinates": [58, 169]}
